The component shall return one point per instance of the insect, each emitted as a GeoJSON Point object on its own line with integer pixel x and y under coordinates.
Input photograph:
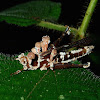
{"type": "Point", "coordinates": [55, 57]}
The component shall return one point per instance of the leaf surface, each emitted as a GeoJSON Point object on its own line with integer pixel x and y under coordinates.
{"type": "Point", "coordinates": [68, 84]}
{"type": "Point", "coordinates": [31, 13]}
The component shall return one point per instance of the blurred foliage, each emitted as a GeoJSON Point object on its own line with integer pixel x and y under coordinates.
{"type": "Point", "coordinates": [31, 13]}
{"type": "Point", "coordinates": [68, 84]}
{"type": "Point", "coordinates": [40, 13]}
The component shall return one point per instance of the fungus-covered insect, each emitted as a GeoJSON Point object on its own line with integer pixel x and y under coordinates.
{"type": "Point", "coordinates": [55, 57]}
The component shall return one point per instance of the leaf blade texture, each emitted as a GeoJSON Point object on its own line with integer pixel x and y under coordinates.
{"type": "Point", "coordinates": [31, 13]}
{"type": "Point", "coordinates": [68, 84]}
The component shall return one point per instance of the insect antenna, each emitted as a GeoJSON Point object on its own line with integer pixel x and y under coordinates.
{"type": "Point", "coordinates": [36, 84]}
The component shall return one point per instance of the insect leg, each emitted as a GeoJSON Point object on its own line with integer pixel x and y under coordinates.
{"type": "Point", "coordinates": [70, 65]}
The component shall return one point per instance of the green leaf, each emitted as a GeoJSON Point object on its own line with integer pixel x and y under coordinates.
{"type": "Point", "coordinates": [68, 84]}
{"type": "Point", "coordinates": [31, 13]}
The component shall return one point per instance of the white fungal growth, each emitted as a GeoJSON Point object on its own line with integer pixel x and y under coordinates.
{"type": "Point", "coordinates": [89, 49]}
{"type": "Point", "coordinates": [76, 51]}
{"type": "Point", "coordinates": [39, 60]}
{"type": "Point", "coordinates": [43, 67]}
{"type": "Point", "coordinates": [51, 64]}
{"type": "Point", "coordinates": [69, 60]}
{"type": "Point", "coordinates": [25, 67]}
{"type": "Point", "coordinates": [86, 65]}
{"type": "Point", "coordinates": [68, 56]}
{"type": "Point", "coordinates": [62, 54]}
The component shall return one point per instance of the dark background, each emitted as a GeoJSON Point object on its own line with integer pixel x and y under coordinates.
{"type": "Point", "coordinates": [15, 39]}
